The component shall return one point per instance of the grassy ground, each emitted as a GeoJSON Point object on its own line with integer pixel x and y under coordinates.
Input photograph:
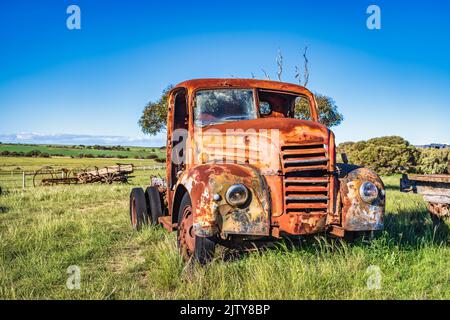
{"type": "Point", "coordinates": [45, 230]}
{"type": "Point", "coordinates": [61, 150]}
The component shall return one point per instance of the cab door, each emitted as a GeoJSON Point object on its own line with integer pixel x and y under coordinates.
{"type": "Point", "coordinates": [177, 134]}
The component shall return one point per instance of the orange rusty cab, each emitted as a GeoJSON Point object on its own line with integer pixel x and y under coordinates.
{"type": "Point", "coordinates": [241, 169]}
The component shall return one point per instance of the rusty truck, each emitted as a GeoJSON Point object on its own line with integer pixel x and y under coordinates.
{"type": "Point", "coordinates": [242, 168]}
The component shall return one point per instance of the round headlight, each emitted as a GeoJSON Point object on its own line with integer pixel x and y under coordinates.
{"type": "Point", "coordinates": [368, 192]}
{"type": "Point", "coordinates": [237, 195]}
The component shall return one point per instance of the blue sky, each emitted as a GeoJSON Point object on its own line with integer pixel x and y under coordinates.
{"type": "Point", "coordinates": [57, 83]}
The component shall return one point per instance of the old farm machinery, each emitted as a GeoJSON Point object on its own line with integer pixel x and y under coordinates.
{"type": "Point", "coordinates": [435, 189]}
{"type": "Point", "coordinates": [48, 176]}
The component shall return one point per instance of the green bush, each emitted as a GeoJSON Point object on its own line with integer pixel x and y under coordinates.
{"type": "Point", "coordinates": [29, 154]}
{"type": "Point", "coordinates": [433, 161]}
{"type": "Point", "coordinates": [384, 155]}
{"type": "Point", "coordinates": [86, 155]}
{"type": "Point", "coordinates": [152, 156]}
{"type": "Point", "coordinates": [393, 154]}
{"type": "Point", "coordinates": [33, 153]}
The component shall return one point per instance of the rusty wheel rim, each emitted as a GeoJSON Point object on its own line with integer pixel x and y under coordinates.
{"type": "Point", "coordinates": [43, 177]}
{"type": "Point", "coordinates": [133, 212]}
{"type": "Point", "coordinates": [187, 236]}
{"type": "Point", "coordinates": [110, 178]}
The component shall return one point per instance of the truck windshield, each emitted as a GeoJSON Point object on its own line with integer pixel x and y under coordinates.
{"type": "Point", "coordinates": [224, 105]}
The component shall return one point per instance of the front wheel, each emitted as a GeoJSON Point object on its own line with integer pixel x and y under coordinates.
{"type": "Point", "coordinates": [190, 245]}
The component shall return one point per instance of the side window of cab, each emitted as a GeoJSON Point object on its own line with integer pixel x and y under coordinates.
{"type": "Point", "coordinates": [276, 104]}
{"type": "Point", "coordinates": [302, 108]}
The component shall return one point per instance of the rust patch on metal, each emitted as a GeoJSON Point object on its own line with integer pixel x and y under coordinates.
{"type": "Point", "coordinates": [303, 223]}
{"type": "Point", "coordinates": [217, 216]}
{"type": "Point", "coordinates": [358, 215]}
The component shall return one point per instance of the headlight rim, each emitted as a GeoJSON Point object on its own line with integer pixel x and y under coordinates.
{"type": "Point", "coordinates": [365, 198]}
{"type": "Point", "coordinates": [241, 203]}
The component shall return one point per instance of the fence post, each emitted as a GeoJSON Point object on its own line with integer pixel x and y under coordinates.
{"type": "Point", "coordinates": [23, 180]}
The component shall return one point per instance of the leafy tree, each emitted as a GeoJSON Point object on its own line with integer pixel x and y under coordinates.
{"type": "Point", "coordinates": [154, 116]}
{"type": "Point", "coordinates": [384, 155]}
{"type": "Point", "coordinates": [433, 161]}
{"type": "Point", "coordinates": [327, 110]}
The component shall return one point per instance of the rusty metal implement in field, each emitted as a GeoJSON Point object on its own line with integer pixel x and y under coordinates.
{"type": "Point", "coordinates": [48, 176]}
{"type": "Point", "coordinates": [242, 169]}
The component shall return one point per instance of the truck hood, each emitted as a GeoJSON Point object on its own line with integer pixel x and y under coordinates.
{"type": "Point", "coordinates": [257, 142]}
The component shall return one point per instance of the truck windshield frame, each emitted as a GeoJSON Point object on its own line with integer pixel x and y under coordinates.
{"type": "Point", "coordinates": [221, 105]}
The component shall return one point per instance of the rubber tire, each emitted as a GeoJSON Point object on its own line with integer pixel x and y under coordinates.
{"type": "Point", "coordinates": [204, 247]}
{"type": "Point", "coordinates": [438, 221]}
{"type": "Point", "coordinates": [153, 199]}
{"type": "Point", "coordinates": [140, 204]}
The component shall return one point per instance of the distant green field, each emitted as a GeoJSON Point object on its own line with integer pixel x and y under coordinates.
{"type": "Point", "coordinates": [74, 151]}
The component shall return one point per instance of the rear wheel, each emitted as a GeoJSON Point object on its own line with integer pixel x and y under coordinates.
{"type": "Point", "coordinates": [439, 212]}
{"type": "Point", "coordinates": [190, 245]}
{"type": "Point", "coordinates": [154, 204]}
{"type": "Point", "coordinates": [138, 208]}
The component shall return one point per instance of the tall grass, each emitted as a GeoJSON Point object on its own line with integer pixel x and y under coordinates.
{"type": "Point", "coordinates": [45, 230]}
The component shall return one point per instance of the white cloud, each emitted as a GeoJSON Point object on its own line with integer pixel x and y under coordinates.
{"type": "Point", "coordinates": [85, 139]}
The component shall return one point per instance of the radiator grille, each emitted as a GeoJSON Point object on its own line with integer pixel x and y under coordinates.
{"type": "Point", "coordinates": [306, 181]}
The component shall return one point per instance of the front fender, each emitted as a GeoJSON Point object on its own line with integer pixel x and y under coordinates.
{"type": "Point", "coordinates": [358, 215]}
{"type": "Point", "coordinates": [217, 216]}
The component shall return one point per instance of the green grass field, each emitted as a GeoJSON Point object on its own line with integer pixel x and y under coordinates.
{"type": "Point", "coordinates": [130, 152]}
{"type": "Point", "coordinates": [45, 230]}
